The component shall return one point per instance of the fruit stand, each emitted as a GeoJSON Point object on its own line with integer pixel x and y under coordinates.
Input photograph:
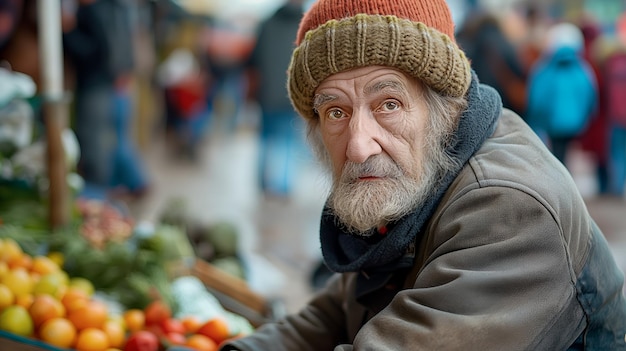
{"type": "Point", "coordinates": [102, 265]}
{"type": "Point", "coordinates": [114, 278]}
{"type": "Point", "coordinates": [103, 258]}
{"type": "Point", "coordinates": [80, 273]}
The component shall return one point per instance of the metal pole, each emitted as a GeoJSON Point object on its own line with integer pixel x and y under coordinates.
{"type": "Point", "coordinates": [54, 107]}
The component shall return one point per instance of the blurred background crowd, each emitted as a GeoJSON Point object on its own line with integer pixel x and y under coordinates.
{"type": "Point", "coordinates": [180, 105]}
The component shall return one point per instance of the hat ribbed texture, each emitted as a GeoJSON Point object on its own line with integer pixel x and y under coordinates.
{"type": "Point", "coordinates": [416, 37]}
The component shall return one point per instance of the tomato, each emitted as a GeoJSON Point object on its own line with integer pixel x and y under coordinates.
{"type": "Point", "coordinates": [172, 325]}
{"type": "Point", "coordinates": [142, 341]}
{"type": "Point", "coordinates": [156, 312]}
{"type": "Point", "coordinates": [175, 338]}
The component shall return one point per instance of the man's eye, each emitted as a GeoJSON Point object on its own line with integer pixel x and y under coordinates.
{"type": "Point", "coordinates": [390, 105]}
{"type": "Point", "coordinates": [335, 114]}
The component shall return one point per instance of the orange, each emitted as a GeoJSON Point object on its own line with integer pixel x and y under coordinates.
{"type": "Point", "coordinates": [58, 332]}
{"type": "Point", "coordinates": [24, 300]}
{"type": "Point", "coordinates": [15, 319]}
{"type": "Point", "coordinates": [43, 265]}
{"type": "Point", "coordinates": [91, 315]}
{"type": "Point", "coordinates": [135, 319]}
{"type": "Point", "coordinates": [21, 261]}
{"type": "Point", "coordinates": [74, 298]}
{"type": "Point", "coordinates": [74, 304]}
{"type": "Point", "coordinates": [191, 324]}
{"type": "Point", "coordinates": [91, 339]}
{"type": "Point", "coordinates": [115, 333]}
{"type": "Point", "coordinates": [201, 343]}
{"type": "Point", "coordinates": [45, 307]}
{"type": "Point", "coordinates": [216, 329]}
{"type": "Point", "coordinates": [6, 297]}
{"type": "Point", "coordinates": [156, 312]}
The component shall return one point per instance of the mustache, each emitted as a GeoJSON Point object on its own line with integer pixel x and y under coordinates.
{"type": "Point", "coordinates": [380, 166]}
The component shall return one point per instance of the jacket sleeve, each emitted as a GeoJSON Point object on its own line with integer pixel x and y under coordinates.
{"type": "Point", "coordinates": [320, 325]}
{"type": "Point", "coordinates": [498, 277]}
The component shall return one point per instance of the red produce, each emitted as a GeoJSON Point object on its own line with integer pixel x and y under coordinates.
{"type": "Point", "coordinates": [142, 341]}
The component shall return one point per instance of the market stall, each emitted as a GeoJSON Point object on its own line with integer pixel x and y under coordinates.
{"type": "Point", "coordinates": [102, 250]}
{"type": "Point", "coordinates": [80, 273]}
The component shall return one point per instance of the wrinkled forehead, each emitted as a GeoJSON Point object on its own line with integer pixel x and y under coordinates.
{"type": "Point", "coordinates": [366, 81]}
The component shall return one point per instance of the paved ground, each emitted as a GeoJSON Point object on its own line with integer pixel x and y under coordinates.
{"type": "Point", "coordinates": [279, 238]}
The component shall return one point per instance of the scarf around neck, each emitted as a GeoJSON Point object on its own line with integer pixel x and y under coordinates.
{"type": "Point", "coordinates": [345, 252]}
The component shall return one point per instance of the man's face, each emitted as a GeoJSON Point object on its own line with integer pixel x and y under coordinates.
{"type": "Point", "coordinates": [374, 123]}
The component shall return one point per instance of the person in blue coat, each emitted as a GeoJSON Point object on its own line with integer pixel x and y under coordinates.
{"type": "Point", "coordinates": [562, 90]}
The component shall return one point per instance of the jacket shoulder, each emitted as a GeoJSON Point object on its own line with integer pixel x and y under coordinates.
{"type": "Point", "coordinates": [515, 163]}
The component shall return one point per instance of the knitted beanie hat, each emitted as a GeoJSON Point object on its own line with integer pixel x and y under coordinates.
{"type": "Point", "coordinates": [414, 36]}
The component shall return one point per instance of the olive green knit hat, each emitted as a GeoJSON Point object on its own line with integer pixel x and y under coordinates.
{"type": "Point", "coordinates": [414, 36]}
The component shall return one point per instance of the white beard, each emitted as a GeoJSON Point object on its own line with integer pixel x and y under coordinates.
{"type": "Point", "coordinates": [363, 206]}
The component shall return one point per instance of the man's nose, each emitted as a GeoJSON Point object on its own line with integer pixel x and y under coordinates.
{"type": "Point", "coordinates": [362, 137]}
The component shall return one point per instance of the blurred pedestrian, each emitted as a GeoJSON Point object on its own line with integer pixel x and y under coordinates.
{"type": "Point", "coordinates": [98, 41]}
{"type": "Point", "coordinates": [615, 100]}
{"type": "Point", "coordinates": [10, 14]}
{"type": "Point", "coordinates": [594, 139]}
{"type": "Point", "coordinates": [86, 45]}
{"type": "Point", "coordinates": [562, 90]}
{"type": "Point", "coordinates": [129, 175]}
{"type": "Point", "coordinates": [494, 58]}
{"type": "Point", "coordinates": [184, 85]}
{"type": "Point", "coordinates": [19, 38]}
{"type": "Point", "coordinates": [282, 140]}
{"type": "Point", "coordinates": [229, 45]}
{"type": "Point", "coordinates": [536, 22]}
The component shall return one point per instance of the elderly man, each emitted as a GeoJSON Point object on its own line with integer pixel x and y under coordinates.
{"type": "Point", "coordinates": [449, 224]}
